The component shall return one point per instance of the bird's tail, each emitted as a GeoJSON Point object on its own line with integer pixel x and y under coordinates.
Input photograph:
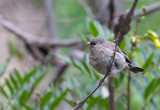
{"type": "Point", "coordinates": [135, 69]}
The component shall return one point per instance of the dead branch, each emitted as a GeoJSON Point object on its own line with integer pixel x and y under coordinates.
{"type": "Point", "coordinates": [111, 12]}
{"type": "Point", "coordinates": [51, 25]}
{"type": "Point", "coordinates": [123, 22]}
{"type": "Point", "coordinates": [112, 105]}
{"type": "Point", "coordinates": [37, 40]}
{"type": "Point", "coordinates": [148, 10]}
{"type": "Point", "coordinates": [39, 47]}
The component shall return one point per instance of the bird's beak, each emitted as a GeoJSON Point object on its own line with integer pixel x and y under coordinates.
{"type": "Point", "coordinates": [88, 44]}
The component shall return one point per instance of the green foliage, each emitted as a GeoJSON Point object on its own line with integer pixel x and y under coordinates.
{"type": "Point", "coordinates": [17, 90]}
{"type": "Point", "coordinates": [3, 67]}
{"type": "Point", "coordinates": [151, 87]}
{"type": "Point", "coordinates": [93, 30]}
{"type": "Point", "coordinates": [80, 79]}
{"type": "Point", "coordinates": [148, 61]}
{"type": "Point", "coordinates": [14, 51]}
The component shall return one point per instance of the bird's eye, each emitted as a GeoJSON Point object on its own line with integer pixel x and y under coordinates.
{"type": "Point", "coordinates": [93, 43]}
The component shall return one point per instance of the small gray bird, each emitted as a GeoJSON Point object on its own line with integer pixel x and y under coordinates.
{"type": "Point", "coordinates": [100, 55]}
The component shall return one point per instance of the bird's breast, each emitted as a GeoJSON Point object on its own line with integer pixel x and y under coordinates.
{"type": "Point", "coordinates": [99, 60]}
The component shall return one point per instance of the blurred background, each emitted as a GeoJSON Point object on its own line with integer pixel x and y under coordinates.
{"type": "Point", "coordinates": [43, 57]}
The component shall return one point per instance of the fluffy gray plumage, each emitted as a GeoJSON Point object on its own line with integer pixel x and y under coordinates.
{"type": "Point", "coordinates": [101, 52]}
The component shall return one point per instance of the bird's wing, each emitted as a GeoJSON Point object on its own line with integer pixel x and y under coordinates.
{"type": "Point", "coordinates": [112, 44]}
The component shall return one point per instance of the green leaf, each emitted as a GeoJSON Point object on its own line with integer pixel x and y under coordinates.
{"type": "Point", "coordinates": [3, 92]}
{"type": "Point", "coordinates": [86, 67]}
{"type": "Point", "coordinates": [151, 87]}
{"type": "Point", "coordinates": [9, 86]}
{"type": "Point", "coordinates": [26, 106]}
{"type": "Point", "coordinates": [40, 77]}
{"type": "Point", "coordinates": [122, 44]}
{"type": "Point", "coordinates": [56, 102]}
{"type": "Point", "coordinates": [76, 65]}
{"type": "Point", "coordinates": [69, 102]}
{"type": "Point", "coordinates": [45, 99]}
{"type": "Point", "coordinates": [93, 30]}
{"type": "Point", "coordinates": [92, 102]}
{"type": "Point", "coordinates": [3, 67]}
{"type": "Point", "coordinates": [149, 61]}
{"type": "Point", "coordinates": [103, 103]}
{"type": "Point", "coordinates": [14, 82]}
{"type": "Point", "coordinates": [116, 83]}
{"type": "Point", "coordinates": [96, 74]}
{"type": "Point", "coordinates": [38, 80]}
{"type": "Point", "coordinates": [14, 51]}
{"type": "Point", "coordinates": [23, 97]}
{"type": "Point", "coordinates": [18, 76]}
{"type": "Point", "coordinates": [29, 75]}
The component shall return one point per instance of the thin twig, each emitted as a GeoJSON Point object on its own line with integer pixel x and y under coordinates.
{"type": "Point", "coordinates": [80, 104]}
{"type": "Point", "coordinates": [148, 10]}
{"type": "Point", "coordinates": [128, 90]}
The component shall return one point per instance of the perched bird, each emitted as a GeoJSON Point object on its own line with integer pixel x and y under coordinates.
{"type": "Point", "coordinates": [100, 55]}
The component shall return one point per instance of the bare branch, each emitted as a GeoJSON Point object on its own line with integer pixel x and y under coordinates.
{"type": "Point", "coordinates": [128, 91]}
{"type": "Point", "coordinates": [51, 25]}
{"type": "Point", "coordinates": [39, 47]}
{"type": "Point", "coordinates": [112, 105]}
{"type": "Point", "coordinates": [37, 40]}
{"type": "Point", "coordinates": [148, 10]}
{"type": "Point", "coordinates": [123, 22]}
{"type": "Point", "coordinates": [111, 12]}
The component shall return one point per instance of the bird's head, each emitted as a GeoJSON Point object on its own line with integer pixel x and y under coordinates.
{"type": "Point", "coordinates": [94, 42]}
